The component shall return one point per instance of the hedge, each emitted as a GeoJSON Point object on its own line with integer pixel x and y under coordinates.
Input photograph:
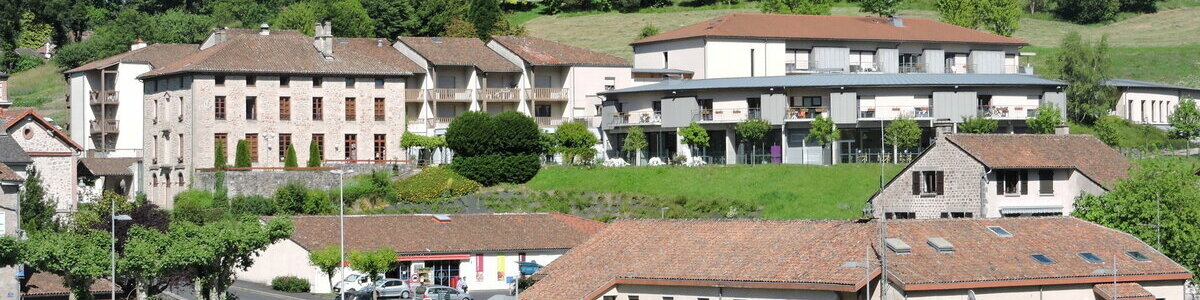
{"type": "Point", "coordinates": [290, 284]}
{"type": "Point", "coordinates": [493, 169]}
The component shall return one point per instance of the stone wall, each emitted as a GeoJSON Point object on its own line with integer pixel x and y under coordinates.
{"type": "Point", "coordinates": [961, 191]}
{"type": "Point", "coordinates": [264, 183]}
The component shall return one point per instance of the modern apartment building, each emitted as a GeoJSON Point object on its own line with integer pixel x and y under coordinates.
{"type": "Point", "coordinates": [106, 98]}
{"type": "Point", "coordinates": [273, 89]}
{"type": "Point", "coordinates": [1000, 175]}
{"type": "Point", "coordinates": [984, 259]}
{"type": "Point", "coordinates": [1149, 103]}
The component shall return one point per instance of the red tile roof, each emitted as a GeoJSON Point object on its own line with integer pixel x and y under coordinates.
{"type": "Point", "coordinates": [449, 51]}
{"type": "Point", "coordinates": [1122, 291]}
{"type": "Point", "coordinates": [10, 117]}
{"type": "Point", "coordinates": [830, 255]}
{"type": "Point", "coordinates": [46, 284]}
{"type": "Point", "coordinates": [157, 55]}
{"type": "Point", "coordinates": [809, 27]}
{"type": "Point", "coordinates": [1082, 152]}
{"type": "Point", "coordinates": [288, 52]}
{"type": "Point", "coordinates": [464, 233]}
{"type": "Point", "coordinates": [542, 52]}
{"type": "Point", "coordinates": [7, 174]}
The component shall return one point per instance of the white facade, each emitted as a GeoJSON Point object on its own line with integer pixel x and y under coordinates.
{"type": "Point", "coordinates": [1151, 106]}
{"type": "Point", "coordinates": [1167, 290]}
{"type": "Point", "coordinates": [1068, 184]}
{"type": "Point", "coordinates": [122, 108]}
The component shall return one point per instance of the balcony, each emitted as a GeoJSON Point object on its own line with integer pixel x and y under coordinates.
{"type": "Point", "coordinates": [864, 67]}
{"type": "Point", "coordinates": [104, 126]}
{"type": "Point", "coordinates": [449, 95]}
{"type": "Point", "coordinates": [912, 68]}
{"type": "Point", "coordinates": [498, 94]}
{"type": "Point", "coordinates": [804, 112]}
{"type": "Point", "coordinates": [894, 112]}
{"type": "Point", "coordinates": [551, 121]}
{"type": "Point", "coordinates": [412, 95]}
{"type": "Point", "coordinates": [1008, 112]}
{"type": "Point", "coordinates": [800, 67]}
{"type": "Point", "coordinates": [960, 69]}
{"type": "Point", "coordinates": [429, 123]}
{"type": "Point", "coordinates": [641, 118]}
{"type": "Point", "coordinates": [719, 115]}
{"type": "Point", "coordinates": [104, 98]}
{"type": "Point", "coordinates": [547, 94]}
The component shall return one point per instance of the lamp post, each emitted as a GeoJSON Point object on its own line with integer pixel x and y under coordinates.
{"type": "Point", "coordinates": [112, 263]}
{"type": "Point", "coordinates": [341, 172]}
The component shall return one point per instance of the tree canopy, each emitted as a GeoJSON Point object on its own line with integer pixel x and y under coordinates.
{"type": "Point", "coordinates": [977, 124]}
{"type": "Point", "coordinates": [1085, 68]}
{"type": "Point", "coordinates": [798, 7]}
{"type": "Point", "coordinates": [998, 16]}
{"type": "Point", "coordinates": [1048, 117]}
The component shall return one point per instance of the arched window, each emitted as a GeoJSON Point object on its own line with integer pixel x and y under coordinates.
{"type": "Point", "coordinates": [180, 178]}
{"type": "Point", "coordinates": [167, 179]}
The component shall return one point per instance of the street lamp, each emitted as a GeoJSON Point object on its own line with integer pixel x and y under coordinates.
{"type": "Point", "coordinates": [112, 263]}
{"type": "Point", "coordinates": [341, 173]}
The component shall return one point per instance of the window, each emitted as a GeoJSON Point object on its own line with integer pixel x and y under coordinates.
{"type": "Point", "coordinates": [610, 83]}
{"type": "Point", "coordinates": [380, 146]}
{"type": "Point", "coordinates": [958, 215]}
{"type": "Point", "coordinates": [252, 142]}
{"type": "Point", "coordinates": [379, 83]}
{"type": "Point", "coordinates": [319, 139]}
{"type": "Point", "coordinates": [541, 110]}
{"type": "Point", "coordinates": [633, 297]}
{"type": "Point", "coordinates": [1138, 256]}
{"type": "Point", "coordinates": [318, 81]}
{"type": "Point", "coordinates": [1012, 182]}
{"type": "Point", "coordinates": [928, 183]}
{"type": "Point", "coordinates": [180, 117]}
{"type": "Point", "coordinates": [796, 60]}
{"type": "Point", "coordinates": [1000, 231]}
{"type": "Point", "coordinates": [610, 297]}
{"type": "Point", "coordinates": [984, 100]}
{"type": "Point", "coordinates": [1046, 182]}
{"type": "Point", "coordinates": [380, 109]}
{"type": "Point", "coordinates": [1090, 257]}
{"type": "Point", "coordinates": [251, 80]}
{"type": "Point", "coordinates": [219, 108]}
{"type": "Point", "coordinates": [751, 62]}
{"type": "Point", "coordinates": [351, 110]}
{"type": "Point", "coordinates": [349, 82]}
{"type": "Point", "coordinates": [285, 108]}
{"type": "Point", "coordinates": [668, 298]}
{"type": "Point", "coordinates": [318, 112]}
{"type": "Point", "coordinates": [900, 215]}
{"type": "Point", "coordinates": [1042, 259]}
{"type": "Point", "coordinates": [351, 147]}
{"type": "Point", "coordinates": [220, 144]}
{"type": "Point", "coordinates": [285, 81]}
{"type": "Point", "coordinates": [285, 140]}
{"type": "Point", "coordinates": [811, 101]}
{"type": "Point", "coordinates": [862, 61]}
{"type": "Point", "coordinates": [179, 150]}
{"type": "Point", "coordinates": [251, 108]}
{"type": "Point", "coordinates": [219, 80]}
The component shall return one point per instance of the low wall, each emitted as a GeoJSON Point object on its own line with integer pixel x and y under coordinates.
{"type": "Point", "coordinates": [265, 182]}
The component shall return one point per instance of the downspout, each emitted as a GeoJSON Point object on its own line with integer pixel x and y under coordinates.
{"type": "Point", "coordinates": [983, 190]}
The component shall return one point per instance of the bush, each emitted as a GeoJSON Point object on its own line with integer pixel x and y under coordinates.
{"type": "Point", "coordinates": [516, 133]}
{"type": "Point", "coordinates": [290, 284]}
{"type": "Point", "coordinates": [253, 205]}
{"type": "Point", "coordinates": [1087, 11]}
{"type": "Point", "coordinates": [242, 160]}
{"type": "Point", "coordinates": [194, 206]}
{"type": "Point", "coordinates": [471, 134]}
{"type": "Point", "coordinates": [26, 62]}
{"type": "Point", "coordinates": [1048, 117]}
{"type": "Point", "coordinates": [314, 155]}
{"type": "Point", "coordinates": [575, 142]}
{"type": "Point", "coordinates": [317, 202]}
{"type": "Point", "coordinates": [978, 125]}
{"type": "Point", "coordinates": [493, 169]}
{"type": "Point", "coordinates": [648, 31]}
{"type": "Point", "coordinates": [289, 159]}
{"type": "Point", "coordinates": [434, 183]}
{"type": "Point", "coordinates": [290, 198]}
{"type": "Point", "coordinates": [1107, 129]}
{"type": "Point", "coordinates": [491, 150]}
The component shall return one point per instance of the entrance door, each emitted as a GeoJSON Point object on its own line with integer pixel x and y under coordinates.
{"type": "Point", "coordinates": [442, 271]}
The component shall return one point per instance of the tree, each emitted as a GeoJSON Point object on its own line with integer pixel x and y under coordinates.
{"type": "Point", "coordinates": [1047, 118]}
{"type": "Point", "coordinates": [289, 157]}
{"type": "Point", "coordinates": [228, 244]}
{"type": "Point", "coordinates": [978, 124]}
{"type": "Point", "coordinates": [694, 136]}
{"type": "Point", "coordinates": [823, 131]}
{"type": "Point", "coordinates": [798, 7]}
{"type": "Point", "coordinates": [177, 26]}
{"type": "Point", "coordinates": [484, 14]}
{"type": "Point", "coordinates": [350, 19]}
{"type": "Point", "coordinates": [78, 257]}
{"type": "Point", "coordinates": [392, 18]}
{"type": "Point", "coordinates": [1139, 6]}
{"type": "Point", "coordinates": [327, 260]}
{"type": "Point", "coordinates": [998, 16]}
{"type": "Point", "coordinates": [300, 16]}
{"type": "Point", "coordinates": [1159, 203]}
{"type": "Point", "coordinates": [648, 31]}
{"type": "Point", "coordinates": [373, 262]}
{"type": "Point", "coordinates": [1087, 11]}
{"type": "Point", "coordinates": [752, 132]}
{"type": "Point", "coordinates": [242, 13]}
{"type": "Point", "coordinates": [37, 211]}
{"type": "Point", "coordinates": [575, 142]}
{"type": "Point", "coordinates": [902, 133]}
{"type": "Point", "coordinates": [1085, 68]}
{"type": "Point", "coordinates": [461, 28]}
{"type": "Point", "coordinates": [958, 12]}
{"type": "Point", "coordinates": [155, 259]}
{"type": "Point", "coordinates": [492, 150]}
{"type": "Point", "coordinates": [314, 155]}
{"type": "Point", "coordinates": [10, 29]}
{"type": "Point", "coordinates": [33, 34]}
{"type": "Point", "coordinates": [1106, 130]}
{"type": "Point", "coordinates": [219, 153]}
{"type": "Point", "coordinates": [635, 142]}
{"type": "Point", "coordinates": [290, 198]}
{"type": "Point", "coordinates": [10, 251]}
{"type": "Point", "coordinates": [1186, 120]}
{"type": "Point", "coordinates": [882, 8]}
{"type": "Point", "coordinates": [242, 158]}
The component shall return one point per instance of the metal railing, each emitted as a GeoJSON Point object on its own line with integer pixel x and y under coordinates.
{"type": "Point", "coordinates": [864, 67]}
{"type": "Point", "coordinates": [804, 112]}
{"type": "Point", "coordinates": [105, 98]}
{"type": "Point", "coordinates": [104, 126]}
{"type": "Point", "coordinates": [498, 94]}
{"type": "Point", "coordinates": [800, 67]}
{"type": "Point", "coordinates": [449, 94]}
{"type": "Point", "coordinates": [872, 112]}
{"type": "Point", "coordinates": [960, 69]}
{"type": "Point", "coordinates": [550, 121]}
{"type": "Point", "coordinates": [1012, 69]}
{"type": "Point", "coordinates": [727, 114]}
{"type": "Point", "coordinates": [1008, 111]}
{"type": "Point", "coordinates": [544, 94]}
{"type": "Point", "coordinates": [912, 68]}
{"type": "Point", "coordinates": [412, 95]}
{"type": "Point", "coordinates": [640, 118]}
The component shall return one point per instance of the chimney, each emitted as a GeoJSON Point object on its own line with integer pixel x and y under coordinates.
{"type": "Point", "coordinates": [264, 29]}
{"type": "Point", "coordinates": [378, 42]}
{"type": "Point", "coordinates": [138, 44]}
{"type": "Point", "coordinates": [942, 128]}
{"type": "Point", "coordinates": [897, 21]}
{"type": "Point", "coordinates": [323, 39]}
{"type": "Point", "coordinates": [1062, 130]}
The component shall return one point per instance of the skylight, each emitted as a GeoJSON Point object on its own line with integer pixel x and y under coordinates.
{"type": "Point", "coordinates": [1000, 231]}
{"type": "Point", "coordinates": [1090, 257]}
{"type": "Point", "coordinates": [1138, 256]}
{"type": "Point", "coordinates": [442, 218]}
{"type": "Point", "coordinates": [898, 246]}
{"type": "Point", "coordinates": [1042, 259]}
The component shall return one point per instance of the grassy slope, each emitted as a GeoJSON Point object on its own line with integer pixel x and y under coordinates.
{"type": "Point", "coordinates": [1175, 65]}
{"type": "Point", "coordinates": [784, 191]}
{"type": "Point", "coordinates": [42, 88]}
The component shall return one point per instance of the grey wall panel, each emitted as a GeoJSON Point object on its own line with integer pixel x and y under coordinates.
{"type": "Point", "coordinates": [608, 114]}
{"type": "Point", "coordinates": [888, 60]}
{"type": "Point", "coordinates": [1059, 99]}
{"type": "Point", "coordinates": [966, 105]}
{"type": "Point", "coordinates": [935, 60]}
{"type": "Point", "coordinates": [987, 62]}
{"type": "Point", "coordinates": [831, 58]}
{"type": "Point", "coordinates": [774, 107]}
{"type": "Point", "coordinates": [679, 112]}
{"type": "Point", "coordinates": [943, 105]}
{"type": "Point", "coordinates": [843, 107]}
{"type": "Point", "coordinates": [954, 105]}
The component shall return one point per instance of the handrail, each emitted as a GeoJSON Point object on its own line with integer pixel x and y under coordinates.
{"type": "Point", "coordinates": [450, 94]}
{"type": "Point", "coordinates": [547, 93]}
{"type": "Point", "coordinates": [498, 94]}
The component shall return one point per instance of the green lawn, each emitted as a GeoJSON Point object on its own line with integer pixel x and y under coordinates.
{"type": "Point", "coordinates": [42, 88]}
{"type": "Point", "coordinates": [1168, 64]}
{"type": "Point", "coordinates": [1136, 136]}
{"type": "Point", "coordinates": [784, 191]}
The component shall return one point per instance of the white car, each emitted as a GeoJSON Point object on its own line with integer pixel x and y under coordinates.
{"type": "Point", "coordinates": [352, 283]}
{"type": "Point", "coordinates": [390, 288]}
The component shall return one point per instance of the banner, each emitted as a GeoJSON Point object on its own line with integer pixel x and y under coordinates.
{"type": "Point", "coordinates": [500, 267]}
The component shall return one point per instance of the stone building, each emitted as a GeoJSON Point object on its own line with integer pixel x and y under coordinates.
{"type": "Point", "coordinates": [4, 101]}
{"type": "Point", "coordinates": [53, 153]}
{"type": "Point", "coordinates": [13, 163]}
{"type": "Point", "coordinates": [274, 89]}
{"type": "Point", "coordinates": [1000, 175]}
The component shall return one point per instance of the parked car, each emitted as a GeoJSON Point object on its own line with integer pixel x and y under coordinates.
{"type": "Point", "coordinates": [351, 284]}
{"type": "Point", "coordinates": [435, 292]}
{"type": "Point", "coordinates": [389, 288]}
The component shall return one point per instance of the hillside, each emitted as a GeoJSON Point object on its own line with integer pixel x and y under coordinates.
{"type": "Point", "coordinates": [42, 88]}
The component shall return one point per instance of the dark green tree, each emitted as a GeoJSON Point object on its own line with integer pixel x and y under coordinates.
{"type": "Point", "coordinates": [492, 150]}
{"type": "Point", "coordinates": [37, 210]}
{"type": "Point", "coordinates": [1186, 120]}
{"type": "Point", "coordinates": [219, 155]}
{"type": "Point", "coordinates": [392, 18]}
{"type": "Point", "coordinates": [289, 157]}
{"type": "Point", "coordinates": [978, 124]}
{"type": "Point", "coordinates": [484, 14]}
{"type": "Point", "coordinates": [242, 158]}
{"type": "Point", "coordinates": [1087, 11]}
{"type": "Point", "coordinates": [350, 19]}
{"type": "Point", "coordinates": [797, 7]}
{"type": "Point", "coordinates": [314, 155]}
{"type": "Point", "coordinates": [1139, 6]}
{"type": "Point", "coordinates": [575, 142]}
{"type": "Point", "coordinates": [752, 132]}
{"type": "Point", "coordinates": [1085, 68]}
{"type": "Point", "coordinates": [300, 16]}
{"type": "Point", "coordinates": [1048, 117]}
{"type": "Point", "coordinates": [882, 8]}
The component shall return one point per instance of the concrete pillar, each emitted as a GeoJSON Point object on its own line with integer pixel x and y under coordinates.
{"type": "Point", "coordinates": [730, 148]}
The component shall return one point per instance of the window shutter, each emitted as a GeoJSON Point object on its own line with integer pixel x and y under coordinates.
{"type": "Point", "coordinates": [1000, 182]}
{"type": "Point", "coordinates": [1024, 182]}
{"type": "Point", "coordinates": [916, 183]}
{"type": "Point", "coordinates": [941, 182]}
{"type": "Point", "coordinates": [1046, 178]}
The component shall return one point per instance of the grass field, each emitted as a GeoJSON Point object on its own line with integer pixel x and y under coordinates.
{"type": "Point", "coordinates": [1175, 65]}
{"type": "Point", "coordinates": [42, 88]}
{"type": "Point", "coordinates": [784, 191]}
{"type": "Point", "coordinates": [1135, 136]}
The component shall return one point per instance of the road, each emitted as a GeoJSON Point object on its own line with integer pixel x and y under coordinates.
{"type": "Point", "coordinates": [253, 291]}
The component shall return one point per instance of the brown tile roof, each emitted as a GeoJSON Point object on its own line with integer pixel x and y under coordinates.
{"type": "Point", "coordinates": [828, 255]}
{"type": "Point", "coordinates": [105, 166]}
{"type": "Point", "coordinates": [449, 51]}
{"type": "Point", "coordinates": [288, 52]}
{"type": "Point", "coordinates": [7, 174]}
{"type": "Point", "coordinates": [46, 284]}
{"type": "Point", "coordinates": [10, 117]}
{"type": "Point", "coordinates": [809, 27]}
{"type": "Point", "coordinates": [464, 233]}
{"type": "Point", "coordinates": [1085, 153]}
{"type": "Point", "coordinates": [541, 52]}
{"type": "Point", "coordinates": [1122, 291]}
{"type": "Point", "coordinates": [157, 55]}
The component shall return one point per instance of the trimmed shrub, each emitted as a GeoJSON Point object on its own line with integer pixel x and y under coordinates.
{"type": "Point", "coordinates": [289, 159]}
{"type": "Point", "coordinates": [314, 155]}
{"type": "Point", "coordinates": [290, 284]}
{"type": "Point", "coordinates": [434, 183]}
{"type": "Point", "coordinates": [193, 206]}
{"type": "Point", "coordinates": [491, 150]}
{"type": "Point", "coordinates": [471, 134]}
{"type": "Point", "coordinates": [242, 160]}
{"type": "Point", "coordinates": [317, 202]}
{"type": "Point", "coordinates": [289, 199]}
{"type": "Point", "coordinates": [219, 160]}
{"type": "Point", "coordinates": [493, 169]}
{"type": "Point", "coordinates": [515, 133]}
{"type": "Point", "coordinates": [253, 205]}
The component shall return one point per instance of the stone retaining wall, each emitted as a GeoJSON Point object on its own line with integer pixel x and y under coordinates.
{"type": "Point", "coordinates": [264, 183]}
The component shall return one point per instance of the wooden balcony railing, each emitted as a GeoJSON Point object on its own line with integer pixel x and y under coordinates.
{"type": "Point", "coordinates": [449, 95]}
{"type": "Point", "coordinates": [551, 121]}
{"type": "Point", "coordinates": [547, 94]}
{"type": "Point", "coordinates": [104, 126]}
{"type": "Point", "coordinates": [498, 94]}
{"type": "Point", "coordinates": [104, 98]}
{"type": "Point", "coordinates": [412, 95]}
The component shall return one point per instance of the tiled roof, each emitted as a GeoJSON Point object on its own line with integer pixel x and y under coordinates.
{"type": "Point", "coordinates": [843, 80]}
{"type": "Point", "coordinates": [10, 117]}
{"type": "Point", "coordinates": [1085, 153]}
{"type": "Point", "coordinates": [810, 27]}
{"type": "Point", "coordinates": [464, 233]}
{"type": "Point", "coordinates": [1122, 291]}
{"type": "Point", "coordinates": [46, 284]}
{"type": "Point", "coordinates": [1121, 82]}
{"type": "Point", "coordinates": [7, 174]}
{"type": "Point", "coordinates": [831, 255]}
{"type": "Point", "coordinates": [157, 55]}
{"type": "Point", "coordinates": [449, 51]}
{"type": "Point", "coordinates": [288, 52]}
{"type": "Point", "coordinates": [11, 152]}
{"type": "Point", "coordinates": [104, 166]}
{"type": "Point", "coordinates": [541, 52]}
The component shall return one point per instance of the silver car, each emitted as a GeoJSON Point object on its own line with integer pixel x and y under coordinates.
{"type": "Point", "coordinates": [390, 287]}
{"type": "Point", "coordinates": [441, 292]}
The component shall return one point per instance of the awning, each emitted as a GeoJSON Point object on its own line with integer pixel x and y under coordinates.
{"type": "Point", "coordinates": [433, 257]}
{"type": "Point", "coordinates": [1032, 209]}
